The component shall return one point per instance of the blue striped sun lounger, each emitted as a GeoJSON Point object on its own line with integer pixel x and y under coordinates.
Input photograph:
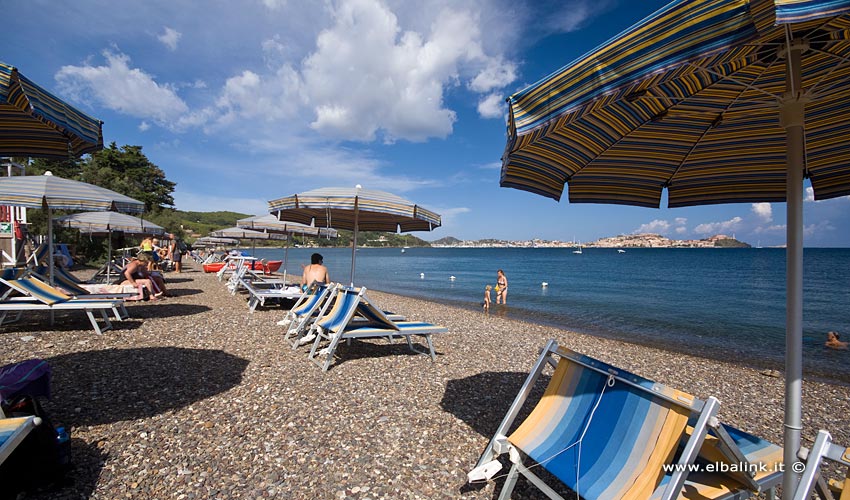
{"type": "Point", "coordinates": [605, 433]}
{"type": "Point", "coordinates": [12, 433]}
{"type": "Point", "coordinates": [39, 296]}
{"type": "Point", "coordinates": [352, 316]}
{"type": "Point", "coordinates": [297, 319]}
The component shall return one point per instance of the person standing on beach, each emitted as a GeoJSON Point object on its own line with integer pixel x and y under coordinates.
{"type": "Point", "coordinates": [316, 271]}
{"type": "Point", "coordinates": [487, 297]}
{"type": "Point", "coordinates": [501, 287]}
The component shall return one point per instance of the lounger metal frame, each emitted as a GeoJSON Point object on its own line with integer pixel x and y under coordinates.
{"type": "Point", "coordinates": [812, 480]}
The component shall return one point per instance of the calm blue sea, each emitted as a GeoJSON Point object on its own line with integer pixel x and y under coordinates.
{"type": "Point", "coordinates": [721, 303]}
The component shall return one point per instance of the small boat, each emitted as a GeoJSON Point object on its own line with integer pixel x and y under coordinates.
{"type": "Point", "coordinates": [620, 250]}
{"type": "Point", "coordinates": [578, 248]}
{"type": "Point", "coordinates": [213, 267]}
{"type": "Point", "coordinates": [402, 250]}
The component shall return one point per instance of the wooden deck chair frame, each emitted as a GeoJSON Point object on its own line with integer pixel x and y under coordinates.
{"type": "Point", "coordinates": [703, 421]}
{"type": "Point", "coordinates": [339, 324]}
{"type": "Point", "coordinates": [38, 296]}
{"type": "Point", "coordinates": [812, 480]}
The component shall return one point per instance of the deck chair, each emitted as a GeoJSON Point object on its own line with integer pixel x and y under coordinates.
{"type": "Point", "coordinates": [606, 433]}
{"type": "Point", "coordinates": [812, 480]}
{"type": "Point", "coordinates": [75, 288]}
{"type": "Point", "coordinates": [258, 296]}
{"type": "Point", "coordinates": [13, 431]}
{"type": "Point", "coordinates": [339, 323]}
{"type": "Point", "coordinates": [39, 296]}
{"type": "Point", "coordinates": [300, 322]}
{"type": "Point", "coordinates": [297, 319]}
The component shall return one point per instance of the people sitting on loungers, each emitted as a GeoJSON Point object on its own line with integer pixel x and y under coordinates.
{"type": "Point", "coordinates": [136, 273]}
{"type": "Point", "coordinates": [316, 272]}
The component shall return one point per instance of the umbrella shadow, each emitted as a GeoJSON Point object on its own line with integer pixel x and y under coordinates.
{"type": "Point", "coordinates": [481, 401]}
{"type": "Point", "coordinates": [113, 385]}
{"type": "Point", "coordinates": [165, 309]}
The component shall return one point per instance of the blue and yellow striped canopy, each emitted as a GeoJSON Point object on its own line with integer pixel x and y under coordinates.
{"type": "Point", "coordinates": [105, 222]}
{"type": "Point", "coordinates": [335, 208]}
{"type": "Point", "coordinates": [271, 224]}
{"type": "Point", "coordinates": [34, 122]}
{"type": "Point", "coordinates": [688, 100]}
{"type": "Point", "coordinates": [49, 191]}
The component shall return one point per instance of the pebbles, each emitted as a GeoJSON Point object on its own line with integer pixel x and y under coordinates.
{"type": "Point", "coordinates": [195, 398]}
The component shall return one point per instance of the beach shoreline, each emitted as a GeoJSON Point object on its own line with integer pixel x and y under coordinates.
{"type": "Point", "coordinates": [195, 397]}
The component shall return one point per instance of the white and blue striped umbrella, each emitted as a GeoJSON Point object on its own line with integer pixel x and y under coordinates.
{"type": "Point", "coordinates": [355, 209]}
{"type": "Point", "coordinates": [107, 222]}
{"type": "Point", "coordinates": [50, 192]}
{"type": "Point", "coordinates": [271, 224]}
{"type": "Point", "coordinates": [240, 233]}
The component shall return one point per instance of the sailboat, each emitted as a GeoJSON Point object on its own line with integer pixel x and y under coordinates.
{"type": "Point", "coordinates": [578, 248]}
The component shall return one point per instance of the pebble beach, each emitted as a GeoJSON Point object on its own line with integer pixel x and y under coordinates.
{"type": "Point", "coordinates": [194, 398]}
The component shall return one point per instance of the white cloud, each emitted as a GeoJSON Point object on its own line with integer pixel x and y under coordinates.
{"type": "Point", "coordinates": [119, 87]}
{"type": "Point", "coordinates": [817, 228]}
{"type": "Point", "coordinates": [723, 227]}
{"type": "Point", "coordinates": [199, 202]}
{"type": "Point", "coordinates": [764, 211]}
{"type": "Point", "coordinates": [776, 228]}
{"type": "Point", "coordinates": [274, 4]}
{"type": "Point", "coordinates": [681, 230]}
{"type": "Point", "coordinates": [169, 37]}
{"type": "Point", "coordinates": [657, 227]}
{"type": "Point", "coordinates": [497, 74]}
{"type": "Point", "coordinates": [680, 221]}
{"type": "Point", "coordinates": [810, 194]}
{"type": "Point", "coordinates": [144, 126]}
{"type": "Point", "coordinates": [492, 106]}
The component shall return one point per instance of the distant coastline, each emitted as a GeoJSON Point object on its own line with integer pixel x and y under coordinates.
{"type": "Point", "coordinates": [645, 240]}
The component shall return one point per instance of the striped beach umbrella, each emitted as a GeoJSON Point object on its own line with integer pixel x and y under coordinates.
{"type": "Point", "coordinates": [212, 241]}
{"type": "Point", "coordinates": [354, 209]}
{"type": "Point", "coordinates": [718, 101]}
{"type": "Point", "coordinates": [107, 223]}
{"type": "Point", "coordinates": [34, 122]}
{"type": "Point", "coordinates": [240, 233]}
{"type": "Point", "coordinates": [271, 224]}
{"type": "Point", "coordinates": [55, 193]}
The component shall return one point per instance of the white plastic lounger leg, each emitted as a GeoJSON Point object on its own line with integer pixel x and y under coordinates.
{"type": "Point", "coordinates": [813, 464]}
{"type": "Point", "coordinates": [93, 320]}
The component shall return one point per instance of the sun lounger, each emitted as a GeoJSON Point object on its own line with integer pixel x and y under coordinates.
{"type": "Point", "coordinates": [67, 283]}
{"type": "Point", "coordinates": [258, 296]}
{"type": "Point", "coordinates": [13, 431]}
{"type": "Point", "coordinates": [298, 318]}
{"type": "Point", "coordinates": [339, 324]}
{"type": "Point", "coordinates": [38, 296]}
{"type": "Point", "coordinates": [606, 433]}
{"type": "Point", "coordinates": [812, 480]}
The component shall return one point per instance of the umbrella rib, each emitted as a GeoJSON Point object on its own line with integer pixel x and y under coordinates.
{"type": "Point", "coordinates": [844, 61]}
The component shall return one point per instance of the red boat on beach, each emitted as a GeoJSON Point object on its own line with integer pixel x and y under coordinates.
{"type": "Point", "coordinates": [266, 267]}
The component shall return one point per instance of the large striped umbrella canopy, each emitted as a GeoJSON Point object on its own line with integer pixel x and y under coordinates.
{"type": "Point", "coordinates": [107, 222]}
{"type": "Point", "coordinates": [271, 224]}
{"type": "Point", "coordinates": [240, 233]}
{"type": "Point", "coordinates": [355, 209]}
{"type": "Point", "coordinates": [50, 192]}
{"type": "Point", "coordinates": [212, 241]}
{"type": "Point", "coordinates": [717, 101]}
{"type": "Point", "coordinates": [34, 122]}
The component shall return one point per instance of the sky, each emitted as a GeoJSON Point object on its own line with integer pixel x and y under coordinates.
{"type": "Point", "coordinates": [244, 102]}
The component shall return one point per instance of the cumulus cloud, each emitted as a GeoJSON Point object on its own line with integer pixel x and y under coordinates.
{"type": "Point", "coordinates": [657, 226]}
{"type": "Point", "coordinates": [810, 194]}
{"type": "Point", "coordinates": [144, 126]}
{"type": "Point", "coordinates": [169, 37]}
{"type": "Point", "coordinates": [817, 228]}
{"type": "Point", "coordinates": [491, 106]}
{"type": "Point", "coordinates": [119, 87]}
{"type": "Point", "coordinates": [711, 228]}
{"type": "Point", "coordinates": [764, 211]}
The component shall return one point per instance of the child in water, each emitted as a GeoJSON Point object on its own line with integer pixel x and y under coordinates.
{"type": "Point", "coordinates": [487, 297]}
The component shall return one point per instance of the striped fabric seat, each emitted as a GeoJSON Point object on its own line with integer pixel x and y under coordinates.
{"type": "Point", "coordinates": [299, 316]}
{"type": "Point", "coordinates": [352, 316]}
{"type": "Point", "coordinates": [606, 433]}
{"type": "Point", "coordinates": [38, 295]}
{"type": "Point", "coordinates": [12, 433]}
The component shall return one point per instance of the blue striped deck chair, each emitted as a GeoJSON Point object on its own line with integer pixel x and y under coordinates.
{"type": "Point", "coordinates": [39, 255]}
{"type": "Point", "coordinates": [297, 319]}
{"type": "Point", "coordinates": [39, 296]}
{"type": "Point", "coordinates": [67, 283]}
{"type": "Point", "coordinates": [258, 296]}
{"type": "Point", "coordinates": [13, 431]}
{"type": "Point", "coordinates": [339, 324]}
{"type": "Point", "coordinates": [812, 480]}
{"type": "Point", "coordinates": [606, 433]}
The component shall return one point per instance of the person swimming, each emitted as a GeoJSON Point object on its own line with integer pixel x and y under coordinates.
{"type": "Point", "coordinates": [833, 342]}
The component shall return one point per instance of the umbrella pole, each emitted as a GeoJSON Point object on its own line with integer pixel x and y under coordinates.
{"type": "Point", "coordinates": [285, 257]}
{"type": "Point", "coordinates": [354, 239]}
{"type": "Point", "coordinates": [50, 251]}
{"type": "Point", "coordinates": [792, 116]}
{"type": "Point", "coordinates": [109, 257]}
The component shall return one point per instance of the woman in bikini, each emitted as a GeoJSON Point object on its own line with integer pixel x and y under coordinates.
{"type": "Point", "coordinates": [501, 287]}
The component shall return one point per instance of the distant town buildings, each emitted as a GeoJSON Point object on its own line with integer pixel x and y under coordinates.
{"type": "Point", "coordinates": [646, 240]}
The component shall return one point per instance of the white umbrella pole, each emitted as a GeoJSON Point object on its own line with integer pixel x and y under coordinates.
{"type": "Point", "coordinates": [109, 257]}
{"type": "Point", "coordinates": [354, 239]}
{"type": "Point", "coordinates": [792, 116]}
{"type": "Point", "coordinates": [285, 257]}
{"type": "Point", "coordinates": [50, 245]}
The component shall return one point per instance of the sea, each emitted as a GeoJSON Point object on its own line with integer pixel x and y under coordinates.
{"type": "Point", "coordinates": [726, 304]}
